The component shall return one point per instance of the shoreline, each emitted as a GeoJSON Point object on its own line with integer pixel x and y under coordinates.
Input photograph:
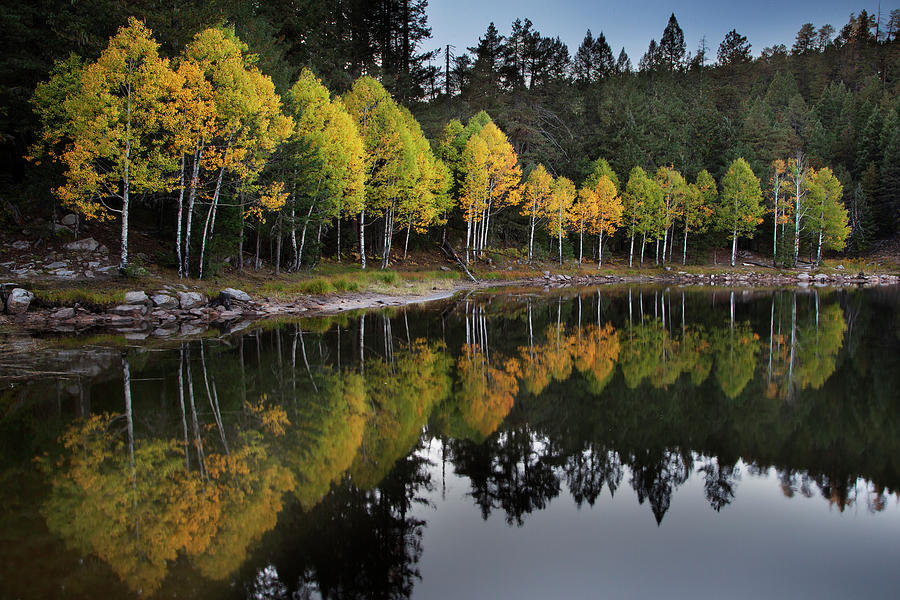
{"type": "Point", "coordinates": [171, 313]}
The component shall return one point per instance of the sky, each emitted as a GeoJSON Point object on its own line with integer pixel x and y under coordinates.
{"type": "Point", "coordinates": [632, 24]}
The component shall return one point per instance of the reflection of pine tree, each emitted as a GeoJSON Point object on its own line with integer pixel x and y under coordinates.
{"type": "Point", "coordinates": [655, 478]}
{"type": "Point", "coordinates": [719, 483]}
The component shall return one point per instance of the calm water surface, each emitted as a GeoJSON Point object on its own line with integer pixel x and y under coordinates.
{"type": "Point", "coordinates": [620, 443]}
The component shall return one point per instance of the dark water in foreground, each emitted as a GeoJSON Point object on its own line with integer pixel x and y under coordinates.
{"type": "Point", "coordinates": [601, 443]}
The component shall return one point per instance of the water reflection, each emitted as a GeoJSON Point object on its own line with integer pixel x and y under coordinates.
{"type": "Point", "coordinates": [289, 458]}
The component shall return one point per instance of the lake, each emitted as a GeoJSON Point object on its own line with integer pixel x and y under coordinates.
{"type": "Point", "coordinates": [520, 443]}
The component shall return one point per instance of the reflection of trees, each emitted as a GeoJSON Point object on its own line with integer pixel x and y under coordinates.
{"type": "Point", "coordinates": [655, 477]}
{"type": "Point", "coordinates": [719, 483]}
{"type": "Point", "coordinates": [137, 503]}
{"type": "Point", "coordinates": [512, 471]}
{"type": "Point", "coordinates": [588, 470]}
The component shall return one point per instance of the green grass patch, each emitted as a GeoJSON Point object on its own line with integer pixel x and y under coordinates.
{"type": "Point", "coordinates": [87, 297]}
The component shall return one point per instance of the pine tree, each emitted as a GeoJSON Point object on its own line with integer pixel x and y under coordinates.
{"type": "Point", "coordinates": [672, 46]}
{"type": "Point", "coordinates": [734, 49]}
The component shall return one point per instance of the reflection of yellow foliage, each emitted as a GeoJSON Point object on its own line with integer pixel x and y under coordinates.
{"type": "Point", "coordinates": [487, 392]}
{"type": "Point", "coordinates": [138, 516]}
{"type": "Point", "coordinates": [403, 394]}
{"type": "Point", "coordinates": [551, 361]}
{"type": "Point", "coordinates": [323, 448]}
{"type": "Point", "coordinates": [596, 352]}
{"type": "Point", "coordinates": [736, 349]}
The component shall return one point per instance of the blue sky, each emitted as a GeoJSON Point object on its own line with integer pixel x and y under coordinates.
{"type": "Point", "coordinates": [633, 23]}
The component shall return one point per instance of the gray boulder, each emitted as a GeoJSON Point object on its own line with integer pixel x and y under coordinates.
{"type": "Point", "coordinates": [85, 245]}
{"type": "Point", "coordinates": [136, 297]}
{"type": "Point", "coordinates": [238, 295]}
{"type": "Point", "coordinates": [188, 300]}
{"type": "Point", "coordinates": [18, 301]}
{"type": "Point", "coordinates": [63, 314]}
{"type": "Point", "coordinates": [164, 301]}
{"type": "Point", "coordinates": [69, 220]}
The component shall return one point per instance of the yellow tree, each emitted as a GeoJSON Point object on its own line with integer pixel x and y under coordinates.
{"type": "Point", "coordinates": [829, 219]}
{"type": "Point", "coordinates": [675, 190]}
{"type": "Point", "coordinates": [248, 123]}
{"type": "Point", "coordinates": [699, 203]}
{"type": "Point", "coordinates": [324, 158]}
{"type": "Point", "coordinates": [537, 193]}
{"type": "Point", "coordinates": [582, 214]}
{"type": "Point", "coordinates": [780, 195]}
{"type": "Point", "coordinates": [387, 153]}
{"type": "Point", "coordinates": [491, 183]}
{"type": "Point", "coordinates": [557, 210]}
{"type": "Point", "coordinates": [608, 216]}
{"type": "Point", "coordinates": [126, 99]}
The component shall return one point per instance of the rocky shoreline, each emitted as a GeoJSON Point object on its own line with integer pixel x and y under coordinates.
{"type": "Point", "coordinates": [181, 312]}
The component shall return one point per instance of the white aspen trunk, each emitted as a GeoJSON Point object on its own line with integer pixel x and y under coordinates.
{"type": "Point", "coordinates": [210, 216]}
{"type": "Point", "coordinates": [672, 243]}
{"type": "Point", "coordinates": [643, 245]}
{"type": "Point", "coordinates": [303, 238]}
{"type": "Point", "coordinates": [339, 238]}
{"type": "Point", "coordinates": [560, 232]}
{"type": "Point", "coordinates": [192, 196]}
{"type": "Point", "coordinates": [821, 231]}
{"type": "Point", "coordinates": [406, 243]}
{"type": "Point", "coordinates": [797, 232]}
{"type": "Point", "coordinates": [631, 250]}
{"type": "Point", "coordinates": [600, 250]}
{"type": "Point", "coordinates": [775, 227]}
{"type": "Point", "coordinates": [126, 188]}
{"type": "Point", "coordinates": [362, 239]}
{"type": "Point", "coordinates": [468, 236]}
{"type": "Point", "coordinates": [734, 247]}
{"type": "Point", "coordinates": [531, 237]}
{"type": "Point", "coordinates": [684, 251]}
{"type": "Point", "coordinates": [294, 249]}
{"type": "Point", "coordinates": [656, 258]}
{"type": "Point", "coordinates": [178, 225]}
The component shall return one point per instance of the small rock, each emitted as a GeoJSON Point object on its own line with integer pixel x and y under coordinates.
{"type": "Point", "coordinates": [188, 300]}
{"type": "Point", "coordinates": [237, 294]}
{"type": "Point", "coordinates": [64, 273]}
{"type": "Point", "coordinates": [191, 329]}
{"type": "Point", "coordinates": [103, 250]}
{"type": "Point", "coordinates": [60, 264]}
{"type": "Point", "coordinates": [63, 314]}
{"type": "Point", "coordinates": [164, 301]}
{"type": "Point", "coordinates": [136, 297]}
{"type": "Point", "coordinates": [840, 267]}
{"type": "Point", "coordinates": [21, 245]}
{"type": "Point", "coordinates": [18, 301]}
{"type": "Point", "coordinates": [69, 220]}
{"type": "Point", "coordinates": [85, 245]}
{"type": "Point", "coordinates": [445, 268]}
{"type": "Point", "coordinates": [57, 228]}
{"type": "Point", "coordinates": [546, 274]}
{"type": "Point", "coordinates": [129, 310]}
{"type": "Point", "coordinates": [803, 276]}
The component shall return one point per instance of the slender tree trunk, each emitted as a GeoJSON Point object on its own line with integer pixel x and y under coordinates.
{"type": "Point", "coordinates": [819, 250]}
{"type": "Point", "coordinates": [656, 259]}
{"type": "Point", "coordinates": [295, 250]}
{"type": "Point", "coordinates": [665, 241]}
{"type": "Point", "coordinates": [775, 229]}
{"type": "Point", "coordinates": [468, 237]}
{"type": "Point", "coordinates": [531, 237]}
{"type": "Point", "coordinates": [303, 238]}
{"type": "Point", "coordinates": [192, 196]}
{"type": "Point", "coordinates": [406, 243]}
{"type": "Point", "coordinates": [339, 238]}
{"type": "Point", "coordinates": [734, 248]}
{"type": "Point", "coordinates": [180, 216]}
{"type": "Point", "coordinates": [256, 258]}
{"type": "Point", "coordinates": [643, 245]}
{"type": "Point", "coordinates": [241, 235]}
{"type": "Point", "coordinates": [581, 243]}
{"type": "Point", "coordinates": [210, 217]}
{"type": "Point", "coordinates": [631, 250]}
{"type": "Point", "coordinates": [600, 250]}
{"type": "Point", "coordinates": [684, 251]}
{"type": "Point", "coordinates": [362, 239]}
